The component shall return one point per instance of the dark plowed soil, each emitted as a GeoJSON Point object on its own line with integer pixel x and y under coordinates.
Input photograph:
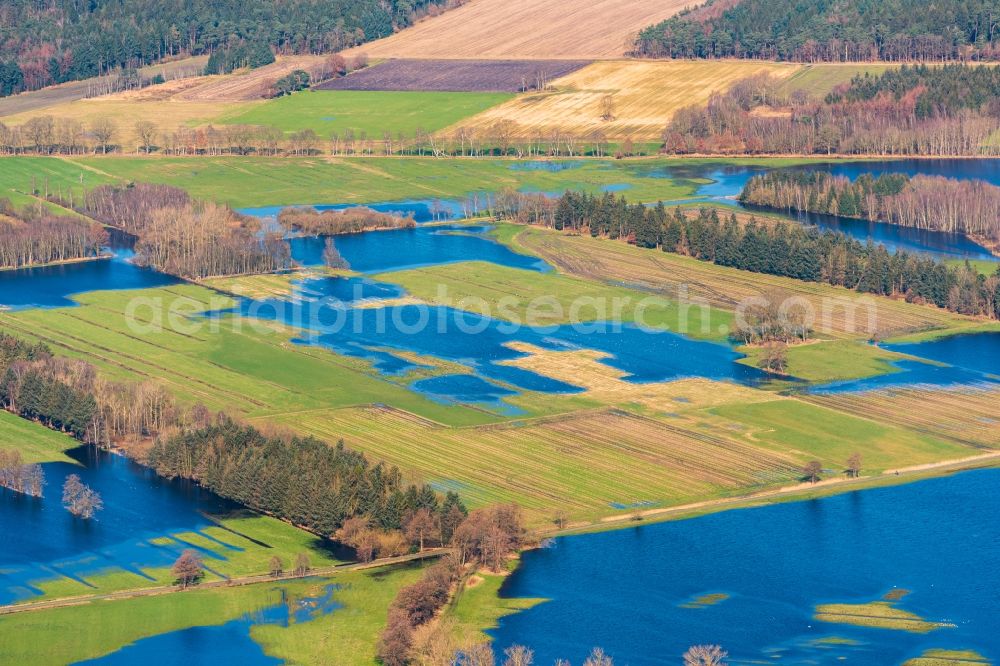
{"type": "Point", "coordinates": [457, 75]}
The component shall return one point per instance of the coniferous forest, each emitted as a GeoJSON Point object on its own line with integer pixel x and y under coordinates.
{"type": "Point", "coordinates": [65, 40]}
{"type": "Point", "coordinates": [771, 246]}
{"type": "Point", "coordinates": [829, 30]}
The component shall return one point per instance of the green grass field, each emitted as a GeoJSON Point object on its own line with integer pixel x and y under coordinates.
{"type": "Point", "coordinates": [273, 181]}
{"type": "Point", "coordinates": [830, 436]}
{"type": "Point", "coordinates": [36, 443]}
{"type": "Point", "coordinates": [549, 299]}
{"type": "Point", "coordinates": [92, 630]}
{"type": "Point", "coordinates": [823, 361]}
{"type": "Point", "coordinates": [820, 79]}
{"type": "Point", "coordinates": [368, 112]}
{"type": "Point", "coordinates": [227, 364]}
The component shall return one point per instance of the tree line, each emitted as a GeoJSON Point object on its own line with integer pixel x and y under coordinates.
{"type": "Point", "coordinates": [45, 135]}
{"type": "Point", "coordinates": [486, 537]}
{"type": "Point", "coordinates": [818, 31]}
{"type": "Point", "coordinates": [184, 237]}
{"type": "Point", "coordinates": [932, 111]}
{"type": "Point", "coordinates": [299, 479]}
{"type": "Point", "coordinates": [64, 40]}
{"type": "Point", "coordinates": [35, 236]}
{"type": "Point", "coordinates": [970, 207]}
{"type": "Point", "coordinates": [775, 247]}
{"type": "Point", "coordinates": [70, 396]}
{"type": "Point", "coordinates": [353, 220]}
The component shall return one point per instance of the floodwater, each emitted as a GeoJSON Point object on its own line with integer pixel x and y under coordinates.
{"type": "Point", "coordinates": [626, 590]}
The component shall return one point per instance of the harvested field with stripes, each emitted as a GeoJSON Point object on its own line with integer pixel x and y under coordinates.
{"type": "Point", "coordinates": [965, 416]}
{"type": "Point", "coordinates": [526, 29]}
{"type": "Point", "coordinates": [582, 463]}
{"type": "Point", "coordinates": [456, 75]}
{"type": "Point", "coordinates": [645, 95]}
{"type": "Point", "coordinates": [840, 312]}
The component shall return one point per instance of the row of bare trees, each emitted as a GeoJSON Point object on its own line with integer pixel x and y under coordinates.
{"type": "Point", "coordinates": [353, 220]}
{"type": "Point", "coordinates": [19, 477]}
{"type": "Point", "coordinates": [935, 203]}
{"type": "Point", "coordinates": [45, 135]}
{"type": "Point", "coordinates": [35, 236]}
{"type": "Point", "coordinates": [180, 236]}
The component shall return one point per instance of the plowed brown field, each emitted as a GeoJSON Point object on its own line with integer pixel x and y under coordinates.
{"type": "Point", "coordinates": [527, 29]}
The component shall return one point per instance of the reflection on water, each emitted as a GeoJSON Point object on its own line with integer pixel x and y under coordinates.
{"type": "Point", "coordinates": [627, 590]}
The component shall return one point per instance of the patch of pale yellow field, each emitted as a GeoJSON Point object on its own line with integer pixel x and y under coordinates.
{"type": "Point", "coordinates": [527, 29]}
{"type": "Point", "coordinates": [605, 384]}
{"type": "Point", "coordinates": [646, 93]}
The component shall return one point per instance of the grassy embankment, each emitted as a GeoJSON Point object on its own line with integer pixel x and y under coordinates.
{"type": "Point", "coordinates": [346, 636]}
{"type": "Point", "coordinates": [36, 443]}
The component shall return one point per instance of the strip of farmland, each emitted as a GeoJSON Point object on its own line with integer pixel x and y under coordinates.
{"type": "Point", "coordinates": [457, 75]}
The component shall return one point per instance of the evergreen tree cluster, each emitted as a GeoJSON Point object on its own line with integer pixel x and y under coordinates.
{"type": "Point", "coordinates": [29, 389]}
{"type": "Point", "coordinates": [828, 30]}
{"type": "Point", "coordinates": [302, 480]}
{"type": "Point", "coordinates": [42, 43]}
{"type": "Point", "coordinates": [246, 54]}
{"type": "Point", "coordinates": [782, 248]}
{"type": "Point", "coordinates": [943, 90]}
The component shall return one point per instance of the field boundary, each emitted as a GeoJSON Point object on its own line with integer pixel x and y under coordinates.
{"type": "Point", "coordinates": [230, 582]}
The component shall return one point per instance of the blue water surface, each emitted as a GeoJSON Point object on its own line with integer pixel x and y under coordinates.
{"type": "Point", "coordinates": [399, 249]}
{"type": "Point", "coordinates": [624, 590]}
{"type": "Point", "coordinates": [43, 541]}
{"type": "Point", "coordinates": [52, 286]}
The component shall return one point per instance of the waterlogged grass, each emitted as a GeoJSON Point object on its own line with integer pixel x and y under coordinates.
{"type": "Point", "coordinates": [366, 112]}
{"type": "Point", "coordinates": [36, 443]}
{"type": "Point", "coordinates": [877, 614]}
{"type": "Point", "coordinates": [91, 630]}
{"type": "Point", "coordinates": [705, 600]}
{"type": "Point", "coordinates": [239, 545]}
{"type": "Point", "coordinates": [254, 370]}
{"type": "Point", "coordinates": [549, 299]}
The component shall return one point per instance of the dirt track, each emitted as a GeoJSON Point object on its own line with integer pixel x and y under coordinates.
{"type": "Point", "coordinates": [527, 29]}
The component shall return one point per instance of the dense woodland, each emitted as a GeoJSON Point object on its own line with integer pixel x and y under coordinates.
{"type": "Point", "coordinates": [336, 222]}
{"type": "Point", "coordinates": [299, 479]}
{"type": "Point", "coordinates": [35, 236]}
{"type": "Point", "coordinates": [775, 247]}
{"type": "Point", "coordinates": [934, 111]}
{"type": "Point", "coordinates": [42, 43]}
{"type": "Point", "coordinates": [180, 236]}
{"type": "Point", "coordinates": [971, 207]}
{"type": "Point", "coordinates": [829, 30]}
